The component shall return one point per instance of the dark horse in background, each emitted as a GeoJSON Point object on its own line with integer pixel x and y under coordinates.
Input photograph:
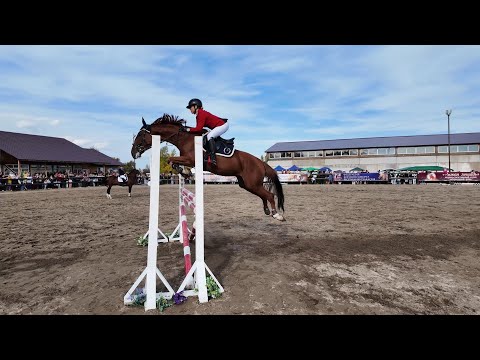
{"type": "Point", "coordinates": [249, 170]}
{"type": "Point", "coordinates": [113, 180]}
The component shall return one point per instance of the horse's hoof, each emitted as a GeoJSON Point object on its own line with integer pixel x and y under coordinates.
{"type": "Point", "coordinates": [278, 217]}
{"type": "Point", "coordinates": [266, 211]}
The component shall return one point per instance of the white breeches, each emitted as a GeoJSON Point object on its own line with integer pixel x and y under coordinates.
{"type": "Point", "coordinates": [217, 131]}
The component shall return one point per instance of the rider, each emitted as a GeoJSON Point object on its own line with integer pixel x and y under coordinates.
{"type": "Point", "coordinates": [121, 174]}
{"type": "Point", "coordinates": [206, 119]}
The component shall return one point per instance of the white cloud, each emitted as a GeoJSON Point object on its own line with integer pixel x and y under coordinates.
{"type": "Point", "coordinates": [79, 142]}
{"type": "Point", "coordinates": [101, 145]}
{"type": "Point", "coordinates": [25, 124]}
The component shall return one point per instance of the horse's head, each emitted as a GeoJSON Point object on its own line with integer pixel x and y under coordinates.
{"type": "Point", "coordinates": [168, 127]}
{"type": "Point", "coordinates": [143, 140]}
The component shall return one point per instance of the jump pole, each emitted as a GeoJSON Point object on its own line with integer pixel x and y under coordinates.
{"type": "Point", "coordinates": [176, 235]}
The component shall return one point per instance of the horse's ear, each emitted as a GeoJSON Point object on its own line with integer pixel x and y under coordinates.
{"type": "Point", "coordinates": [143, 122]}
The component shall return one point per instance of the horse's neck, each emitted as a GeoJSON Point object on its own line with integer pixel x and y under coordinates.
{"type": "Point", "coordinates": [182, 142]}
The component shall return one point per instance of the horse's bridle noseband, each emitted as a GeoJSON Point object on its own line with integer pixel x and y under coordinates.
{"type": "Point", "coordinates": [141, 148]}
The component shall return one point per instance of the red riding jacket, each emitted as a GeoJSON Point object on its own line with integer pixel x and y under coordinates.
{"type": "Point", "coordinates": [206, 119]}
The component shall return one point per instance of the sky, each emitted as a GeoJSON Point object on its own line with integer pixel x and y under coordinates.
{"type": "Point", "coordinates": [96, 96]}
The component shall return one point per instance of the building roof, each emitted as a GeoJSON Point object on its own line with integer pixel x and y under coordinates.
{"type": "Point", "coordinates": [26, 147]}
{"type": "Point", "coordinates": [374, 142]}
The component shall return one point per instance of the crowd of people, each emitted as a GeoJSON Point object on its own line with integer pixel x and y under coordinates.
{"type": "Point", "coordinates": [11, 181]}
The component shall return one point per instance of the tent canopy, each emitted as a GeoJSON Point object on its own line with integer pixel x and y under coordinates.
{"type": "Point", "coordinates": [279, 168]}
{"type": "Point", "coordinates": [423, 168]}
{"type": "Point", "coordinates": [357, 169]}
{"type": "Point", "coordinates": [311, 168]}
{"type": "Point", "coordinates": [325, 168]}
{"type": "Point", "coordinates": [294, 168]}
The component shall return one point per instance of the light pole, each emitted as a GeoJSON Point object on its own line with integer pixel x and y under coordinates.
{"type": "Point", "coordinates": [448, 112]}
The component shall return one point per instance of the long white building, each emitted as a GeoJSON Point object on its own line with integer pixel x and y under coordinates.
{"type": "Point", "coordinates": [380, 153]}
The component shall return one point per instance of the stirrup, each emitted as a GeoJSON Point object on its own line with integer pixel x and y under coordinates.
{"type": "Point", "coordinates": [211, 160]}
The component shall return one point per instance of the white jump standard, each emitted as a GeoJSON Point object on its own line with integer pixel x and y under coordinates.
{"type": "Point", "coordinates": [198, 271]}
{"type": "Point", "coordinates": [151, 271]}
{"type": "Point", "coordinates": [195, 278]}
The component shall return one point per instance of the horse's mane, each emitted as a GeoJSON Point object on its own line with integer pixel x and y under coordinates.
{"type": "Point", "coordinates": [170, 119]}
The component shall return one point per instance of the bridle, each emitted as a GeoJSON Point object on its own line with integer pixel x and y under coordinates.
{"type": "Point", "coordinates": [142, 147]}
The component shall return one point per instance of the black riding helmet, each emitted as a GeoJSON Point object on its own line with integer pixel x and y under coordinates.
{"type": "Point", "coordinates": [192, 102]}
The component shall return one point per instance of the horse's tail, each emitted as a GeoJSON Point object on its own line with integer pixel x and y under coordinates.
{"type": "Point", "coordinates": [273, 177]}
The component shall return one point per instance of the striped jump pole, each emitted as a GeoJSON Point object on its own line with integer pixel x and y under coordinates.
{"type": "Point", "coordinates": [184, 238]}
{"type": "Point", "coordinates": [197, 272]}
{"type": "Point", "coordinates": [188, 194]}
{"type": "Point", "coordinates": [181, 233]}
{"type": "Point", "coordinates": [177, 233]}
{"type": "Point", "coordinates": [189, 199]}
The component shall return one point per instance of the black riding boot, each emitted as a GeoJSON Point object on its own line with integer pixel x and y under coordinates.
{"type": "Point", "coordinates": [211, 148]}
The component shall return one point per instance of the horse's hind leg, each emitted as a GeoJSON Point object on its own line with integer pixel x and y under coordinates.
{"type": "Point", "coordinates": [266, 210]}
{"type": "Point", "coordinates": [265, 195]}
{"type": "Point", "coordinates": [130, 191]}
{"type": "Point", "coordinates": [267, 186]}
{"type": "Point", "coordinates": [268, 196]}
{"type": "Point", "coordinates": [241, 183]}
{"type": "Point", "coordinates": [108, 193]}
{"type": "Point", "coordinates": [271, 199]}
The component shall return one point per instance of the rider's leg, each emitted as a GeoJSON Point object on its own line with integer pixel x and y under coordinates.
{"type": "Point", "coordinates": [211, 140]}
{"type": "Point", "coordinates": [217, 131]}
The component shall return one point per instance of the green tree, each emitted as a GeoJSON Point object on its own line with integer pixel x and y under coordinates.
{"type": "Point", "coordinates": [129, 166]}
{"type": "Point", "coordinates": [164, 155]}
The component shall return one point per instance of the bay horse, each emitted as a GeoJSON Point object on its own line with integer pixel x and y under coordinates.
{"type": "Point", "coordinates": [249, 170]}
{"type": "Point", "coordinates": [113, 180]}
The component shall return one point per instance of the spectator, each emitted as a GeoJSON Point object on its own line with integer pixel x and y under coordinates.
{"type": "Point", "coordinates": [46, 182]}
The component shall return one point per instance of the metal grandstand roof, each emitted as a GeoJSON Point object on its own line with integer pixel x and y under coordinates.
{"type": "Point", "coordinates": [26, 147]}
{"type": "Point", "coordinates": [374, 142]}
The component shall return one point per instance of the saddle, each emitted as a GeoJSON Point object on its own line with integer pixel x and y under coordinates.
{"type": "Point", "coordinates": [223, 147]}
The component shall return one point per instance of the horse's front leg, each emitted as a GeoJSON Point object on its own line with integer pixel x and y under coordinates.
{"type": "Point", "coordinates": [182, 160]}
{"type": "Point", "coordinates": [175, 161]}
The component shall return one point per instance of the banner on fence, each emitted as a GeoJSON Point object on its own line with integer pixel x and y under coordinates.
{"type": "Point", "coordinates": [214, 178]}
{"type": "Point", "coordinates": [448, 176]}
{"type": "Point", "coordinates": [360, 177]}
{"type": "Point", "coordinates": [293, 178]}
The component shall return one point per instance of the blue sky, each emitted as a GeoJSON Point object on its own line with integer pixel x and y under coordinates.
{"type": "Point", "coordinates": [97, 95]}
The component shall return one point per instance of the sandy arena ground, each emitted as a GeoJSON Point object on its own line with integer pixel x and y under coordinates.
{"type": "Point", "coordinates": [344, 249]}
